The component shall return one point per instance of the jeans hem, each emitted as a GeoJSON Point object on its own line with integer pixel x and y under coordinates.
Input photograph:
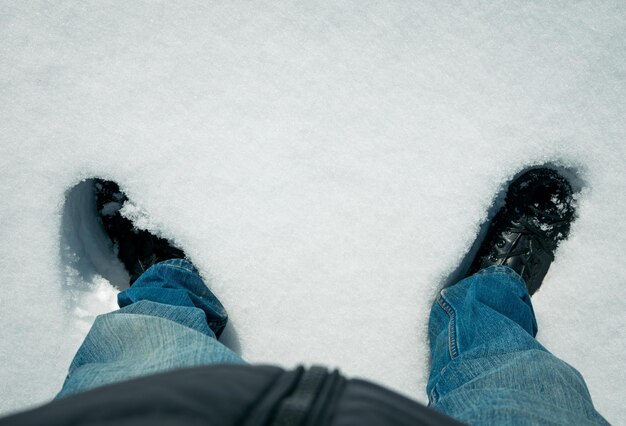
{"type": "Point", "coordinates": [183, 264]}
{"type": "Point", "coordinates": [501, 269]}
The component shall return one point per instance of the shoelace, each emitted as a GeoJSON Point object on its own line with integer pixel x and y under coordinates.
{"type": "Point", "coordinates": [524, 227]}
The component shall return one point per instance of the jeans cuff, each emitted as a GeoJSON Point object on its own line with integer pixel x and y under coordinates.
{"type": "Point", "coordinates": [178, 263]}
{"type": "Point", "coordinates": [501, 269]}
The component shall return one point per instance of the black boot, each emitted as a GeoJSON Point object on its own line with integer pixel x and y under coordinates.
{"type": "Point", "coordinates": [524, 234]}
{"type": "Point", "coordinates": [137, 249]}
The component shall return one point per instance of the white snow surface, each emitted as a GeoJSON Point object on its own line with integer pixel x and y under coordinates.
{"type": "Point", "coordinates": [326, 165]}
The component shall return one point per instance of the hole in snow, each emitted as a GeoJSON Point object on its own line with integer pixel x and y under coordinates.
{"type": "Point", "coordinates": [570, 173]}
{"type": "Point", "coordinates": [93, 273]}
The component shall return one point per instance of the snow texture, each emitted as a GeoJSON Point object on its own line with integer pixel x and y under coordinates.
{"type": "Point", "coordinates": [326, 165]}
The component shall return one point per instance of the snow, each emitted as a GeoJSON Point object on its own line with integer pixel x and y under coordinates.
{"type": "Point", "coordinates": [326, 165]}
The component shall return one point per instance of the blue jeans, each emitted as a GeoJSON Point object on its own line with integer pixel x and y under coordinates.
{"type": "Point", "coordinates": [487, 367]}
{"type": "Point", "coordinates": [168, 319]}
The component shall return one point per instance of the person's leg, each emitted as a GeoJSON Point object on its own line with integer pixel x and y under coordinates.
{"type": "Point", "coordinates": [168, 319]}
{"type": "Point", "coordinates": [487, 367]}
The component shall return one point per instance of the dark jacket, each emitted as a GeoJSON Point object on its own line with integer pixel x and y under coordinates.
{"type": "Point", "coordinates": [235, 395]}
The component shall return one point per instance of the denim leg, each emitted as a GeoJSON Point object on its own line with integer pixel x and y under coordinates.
{"type": "Point", "coordinates": [168, 319]}
{"type": "Point", "coordinates": [487, 367]}
{"type": "Point", "coordinates": [176, 282]}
